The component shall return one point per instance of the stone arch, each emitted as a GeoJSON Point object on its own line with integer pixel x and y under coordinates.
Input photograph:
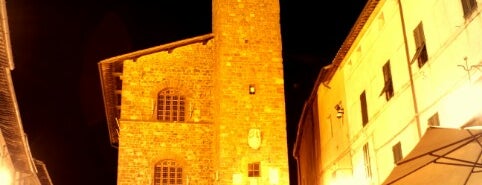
{"type": "Point", "coordinates": [171, 83]}
{"type": "Point", "coordinates": [179, 160]}
{"type": "Point", "coordinates": [182, 87]}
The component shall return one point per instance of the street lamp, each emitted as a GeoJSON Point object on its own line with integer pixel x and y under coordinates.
{"type": "Point", "coordinates": [339, 111]}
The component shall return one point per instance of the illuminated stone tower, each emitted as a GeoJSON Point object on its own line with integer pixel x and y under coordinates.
{"type": "Point", "coordinates": [204, 110]}
{"type": "Point", "coordinates": [248, 55]}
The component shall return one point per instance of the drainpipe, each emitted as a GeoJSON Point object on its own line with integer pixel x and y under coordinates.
{"type": "Point", "coordinates": [410, 74]}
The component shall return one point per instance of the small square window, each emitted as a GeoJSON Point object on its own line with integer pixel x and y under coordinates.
{"type": "Point", "coordinates": [397, 152]}
{"type": "Point", "coordinates": [434, 120]}
{"type": "Point", "coordinates": [254, 170]}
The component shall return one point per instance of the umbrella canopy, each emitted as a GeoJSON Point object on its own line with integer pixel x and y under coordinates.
{"type": "Point", "coordinates": [443, 156]}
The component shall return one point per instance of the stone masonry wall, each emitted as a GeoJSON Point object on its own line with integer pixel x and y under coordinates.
{"type": "Point", "coordinates": [248, 42]}
{"type": "Point", "coordinates": [143, 144]}
{"type": "Point", "coordinates": [188, 68]}
{"type": "Point", "coordinates": [144, 141]}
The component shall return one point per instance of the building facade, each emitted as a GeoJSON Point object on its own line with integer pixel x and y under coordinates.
{"type": "Point", "coordinates": [204, 110]}
{"type": "Point", "coordinates": [404, 67]}
{"type": "Point", "coordinates": [17, 166]}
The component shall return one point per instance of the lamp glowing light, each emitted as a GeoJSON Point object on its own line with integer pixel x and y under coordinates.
{"type": "Point", "coordinates": [339, 111]}
{"type": "Point", "coordinates": [5, 176]}
{"type": "Point", "coordinates": [252, 89]}
{"type": "Point", "coordinates": [237, 179]}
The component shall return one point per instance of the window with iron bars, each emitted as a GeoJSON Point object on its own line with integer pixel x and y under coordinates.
{"type": "Point", "coordinates": [171, 106]}
{"type": "Point", "coordinates": [167, 172]}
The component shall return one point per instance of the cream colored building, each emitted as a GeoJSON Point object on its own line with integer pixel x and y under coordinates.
{"type": "Point", "coordinates": [406, 65]}
{"type": "Point", "coordinates": [204, 110]}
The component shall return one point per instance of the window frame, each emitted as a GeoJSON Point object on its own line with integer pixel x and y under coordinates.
{"type": "Point", "coordinates": [434, 120]}
{"type": "Point", "coordinates": [367, 160]}
{"type": "Point", "coordinates": [420, 43]}
{"type": "Point", "coordinates": [397, 152]}
{"type": "Point", "coordinates": [388, 81]}
{"type": "Point", "coordinates": [254, 169]}
{"type": "Point", "coordinates": [171, 105]}
{"type": "Point", "coordinates": [364, 108]}
{"type": "Point", "coordinates": [172, 169]}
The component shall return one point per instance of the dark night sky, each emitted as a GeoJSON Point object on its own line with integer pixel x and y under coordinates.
{"type": "Point", "coordinates": [57, 44]}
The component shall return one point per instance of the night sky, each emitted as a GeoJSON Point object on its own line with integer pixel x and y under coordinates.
{"type": "Point", "coordinates": [57, 44]}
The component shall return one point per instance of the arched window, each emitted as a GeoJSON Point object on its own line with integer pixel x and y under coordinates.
{"type": "Point", "coordinates": [171, 105]}
{"type": "Point", "coordinates": [167, 172]}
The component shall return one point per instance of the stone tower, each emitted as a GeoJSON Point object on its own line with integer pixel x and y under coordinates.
{"type": "Point", "coordinates": [248, 55]}
{"type": "Point", "coordinates": [204, 110]}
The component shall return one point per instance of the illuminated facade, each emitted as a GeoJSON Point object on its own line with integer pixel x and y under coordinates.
{"type": "Point", "coordinates": [17, 166]}
{"type": "Point", "coordinates": [203, 110]}
{"type": "Point", "coordinates": [405, 66]}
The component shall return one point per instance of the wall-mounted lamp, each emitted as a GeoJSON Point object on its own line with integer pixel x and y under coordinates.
{"type": "Point", "coordinates": [252, 89]}
{"type": "Point", "coordinates": [339, 111]}
{"type": "Point", "coordinates": [5, 175]}
{"type": "Point", "coordinates": [469, 68]}
{"type": "Point", "coordinates": [237, 178]}
{"type": "Point", "coordinates": [343, 176]}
